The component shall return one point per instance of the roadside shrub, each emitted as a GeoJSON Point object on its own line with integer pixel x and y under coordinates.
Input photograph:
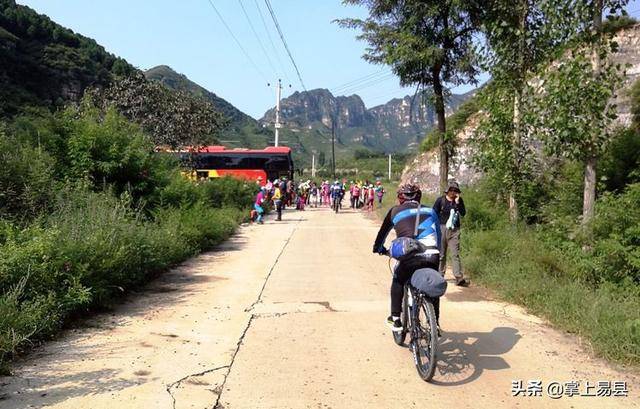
{"type": "Point", "coordinates": [93, 247]}
{"type": "Point", "coordinates": [523, 269]}
{"type": "Point", "coordinates": [89, 211]}
{"type": "Point", "coordinates": [218, 193]}
{"type": "Point", "coordinates": [620, 164]}
{"type": "Point", "coordinates": [109, 150]}
{"type": "Point", "coordinates": [483, 212]}
{"type": "Point", "coordinates": [26, 185]}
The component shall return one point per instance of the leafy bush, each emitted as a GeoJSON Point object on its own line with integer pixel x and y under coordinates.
{"type": "Point", "coordinates": [482, 212]}
{"type": "Point", "coordinates": [588, 287]}
{"type": "Point", "coordinates": [525, 270]}
{"type": "Point", "coordinates": [620, 165]}
{"type": "Point", "coordinates": [88, 211]}
{"type": "Point", "coordinates": [87, 252]}
{"type": "Point", "coordinates": [26, 185]}
{"type": "Point", "coordinates": [221, 192]}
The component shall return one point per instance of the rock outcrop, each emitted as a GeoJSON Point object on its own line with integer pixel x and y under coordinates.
{"type": "Point", "coordinates": [397, 126]}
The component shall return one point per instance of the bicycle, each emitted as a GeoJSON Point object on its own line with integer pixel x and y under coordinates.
{"type": "Point", "coordinates": [418, 319]}
{"type": "Point", "coordinates": [335, 205]}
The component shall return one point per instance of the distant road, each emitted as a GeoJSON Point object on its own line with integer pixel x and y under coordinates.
{"type": "Point", "coordinates": [291, 315]}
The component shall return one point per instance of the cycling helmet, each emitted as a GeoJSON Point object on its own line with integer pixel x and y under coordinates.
{"type": "Point", "coordinates": [409, 191]}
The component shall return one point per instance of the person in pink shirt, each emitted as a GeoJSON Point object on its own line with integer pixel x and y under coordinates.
{"type": "Point", "coordinates": [260, 198]}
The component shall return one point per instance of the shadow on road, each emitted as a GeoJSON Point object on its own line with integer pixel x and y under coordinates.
{"type": "Point", "coordinates": [50, 390]}
{"type": "Point", "coordinates": [464, 356]}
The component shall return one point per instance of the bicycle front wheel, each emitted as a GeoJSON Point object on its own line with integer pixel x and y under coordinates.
{"type": "Point", "coordinates": [424, 340]}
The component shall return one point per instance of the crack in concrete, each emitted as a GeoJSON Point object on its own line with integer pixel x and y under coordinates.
{"type": "Point", "coordinates": [273, 266]}
{"type": "Point", "coordinates": [217, 404]}
{"type": "Point", "coordinates": [233, 358]}
{"type": "Point", "coordinates": [179, 381]}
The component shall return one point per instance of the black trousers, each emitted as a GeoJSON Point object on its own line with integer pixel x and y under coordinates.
{"type": "Point", "coordinates": [403, 272]}
{"type": "Point", "coordinates": [279, 209]}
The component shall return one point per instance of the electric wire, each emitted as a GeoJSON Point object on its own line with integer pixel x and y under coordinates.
{"type": "Point", "coordinates": [366, 84]}
{"type": "Point", "coordinates": [238, 42]}
{"type": "Point", "coordinates": [244, 11]}
{"type": "Point", "coordinates": [284, 42]}
{"type": "Point", "coordinates": [387, 95]}
{"type": "Point", "coordinates": [273, 45]}
{"type": "Point", "coordinates": [360, 79]}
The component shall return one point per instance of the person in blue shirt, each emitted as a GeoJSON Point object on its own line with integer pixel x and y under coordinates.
{"type": "Point", "coordinates": [402, 218]}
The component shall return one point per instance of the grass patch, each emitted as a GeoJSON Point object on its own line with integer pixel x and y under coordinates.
{"type": "Point", "coordinates": [522, 269]}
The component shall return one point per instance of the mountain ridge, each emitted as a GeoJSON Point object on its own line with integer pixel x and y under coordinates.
{"type": "Point", "coordinates": [395, 126]}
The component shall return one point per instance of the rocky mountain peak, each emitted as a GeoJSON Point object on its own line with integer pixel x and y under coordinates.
{"type": "Point", "coordinates": [395, 126]}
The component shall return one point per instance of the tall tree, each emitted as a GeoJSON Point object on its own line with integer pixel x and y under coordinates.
{"type": "Point", "coordinates": [172, 118]}
{"type": "Point", "coordinates": [575, 109]}
{"type": "Point", "coordinates": [427, 43]}
{"type": "Point", "coordinates": [520, 37]}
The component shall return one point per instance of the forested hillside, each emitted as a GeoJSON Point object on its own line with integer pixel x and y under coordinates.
{"type": "Point", "coordinates": [45, 64]}
{"type": "Point", "coordinates": [241, 131]}
{"type": "Point", "coordinates": [88, 209]}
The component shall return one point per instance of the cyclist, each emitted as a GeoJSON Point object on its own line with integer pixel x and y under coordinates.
{"type": "Point", "coordinates": [403, 221]}
{"type": "Point", "coordinates": [337, 192]}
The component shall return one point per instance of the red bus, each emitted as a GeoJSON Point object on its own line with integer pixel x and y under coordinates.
{"type": "Point", "coordinates": [217, 161]}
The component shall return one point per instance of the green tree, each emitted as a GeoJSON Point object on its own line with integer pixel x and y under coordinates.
{"type": "Point", "coordinates": [520, 37]}
{"type": "Point", "coordinates": [172, 118]}
{"type": "Point", "coordinates": [427, 43]}
{"type": "Point", "coordinates": [575, 110]}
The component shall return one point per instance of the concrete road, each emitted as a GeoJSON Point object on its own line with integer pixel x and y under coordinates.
{"type": "Point", "coordinates": [291, 315]}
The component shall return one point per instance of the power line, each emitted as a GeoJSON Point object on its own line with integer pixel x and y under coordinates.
{"type": "Point", "coordinates": [387, 95]}
{"type": "Point", "coordinates": [364, 83]}
{"type": "Point", "coordinates": [244, 11]}
{"type": "Point", "coordinates": [284, 42]}
{"type": "Point", "coordinates": [363, 78]}
{"type": "Point", "coordinates": [238, 42]}
{"type": "Point", "coordinates": [367, 84]}
{"type": "Point", "coordinates": [273, 46]}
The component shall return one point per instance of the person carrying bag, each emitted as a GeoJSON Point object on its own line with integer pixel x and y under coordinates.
{"type": "Point", "coordinates": [450, 209]}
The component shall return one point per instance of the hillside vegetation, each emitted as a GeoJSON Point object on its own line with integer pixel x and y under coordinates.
{"type": "Point", "coordinates": [582, 274]}
{"type": "Point", "coordinates": [89, 211]}
{"type": "Point", "coordinates": [45, 64]}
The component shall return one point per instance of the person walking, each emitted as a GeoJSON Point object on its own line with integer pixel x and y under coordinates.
{"type": "Point", "coordinates": [450, 209]}
{"type": "Point", "coordinates": [260, 198]}
{"type": "Point", "coordinates": [370, 198]}
{"type": "Point", "coordinates": [283, 193]}
{"type": "Point", "coordinates": [277, 199]}
{"type": "Point", "coordinates": [355, 195]}
{"type": "Point", "coordinates": [313, 195]}
{"type": "Point", "coordinates": [379, 192]}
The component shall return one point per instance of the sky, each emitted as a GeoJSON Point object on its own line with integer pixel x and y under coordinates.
{"type": "Point", "coordinates": [190, 37]}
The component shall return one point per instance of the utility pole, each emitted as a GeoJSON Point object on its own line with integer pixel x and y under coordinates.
{"type": "Point", "coordinates": [278, 125]}
{"type": "Point", "coordinates": [389, 167]}
{"type": "Point", "coordinates": [313, 165]}
{"type": "Point", "coordinates": [333, 146]}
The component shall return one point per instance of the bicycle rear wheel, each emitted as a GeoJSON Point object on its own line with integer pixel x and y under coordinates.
{"type": "Point", "coordinates": [424, 340]}
{"type": "Point", "coordinates": [400, 336]}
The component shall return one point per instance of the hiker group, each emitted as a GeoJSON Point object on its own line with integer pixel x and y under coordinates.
{"type": "Point", "coordinates": [281, 194]}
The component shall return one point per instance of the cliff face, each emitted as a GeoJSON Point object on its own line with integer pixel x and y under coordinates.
{"type": "Point", "coordinates": [424, 169]}
{"type": "Point", "coordinates": [396, 126]}
{"type": "Point", "coordinates": [628, 55]}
